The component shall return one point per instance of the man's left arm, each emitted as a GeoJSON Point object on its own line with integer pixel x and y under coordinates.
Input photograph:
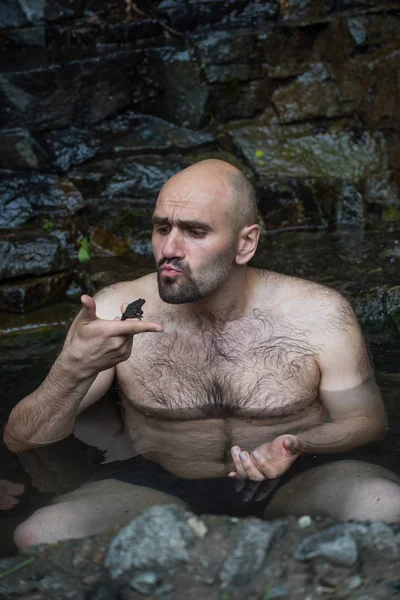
{"type": "Point", "coordinates": [348, 391]}
{"type": "Point", "coordinates": [349, 395]}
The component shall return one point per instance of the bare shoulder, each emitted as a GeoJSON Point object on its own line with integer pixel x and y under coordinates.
{"type": "Point", "coordinates": [318, 308]}
{"type": "Point", "coordinates": [109, 299]}
{"type": "Point", "coordinates": [326, 318]}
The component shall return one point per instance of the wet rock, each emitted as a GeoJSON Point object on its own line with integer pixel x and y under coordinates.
{"type": "Point", "coordinates": [337, 544]}
{"type": "Point", "coordinates": [225, 57]}
{"type": "Point", "coordinates": [296, 152]}
{"type": "Point", "coordinates": [253, 540]}
{"type": "Point", "coordinates": [107, 30]}
{"type": "Point", "coordinates": [379, 106]}
{"type": "Point", "coordinates": [392, 306]}
{"type": "Point", "coordinates": [26, 255]}
{"type": "Point", "coordinates": [17, 14]}
{"type": "Point", "coordinates": [71, 147]}
{"type": "Point", "coordinates": [63, 9]}
{"type": "Point", "coordinates": [99, 272]}
{"type": "Point", "coordinates": [28, 294]}
{"type": "Point", "coordinates": [159, 537]}
{"type": "Point", "coordinates": [20, 150]}
{"type": "Point", "coordinates": [312, 94]}
{"type": "Point", "coordinates": [107, 243]}
{"type": "Point", "coordinates": [293, 203]}
{"type": "Point", "coordinates": [187, 16]}
{"type": "Point", "coordinates": [380, 539]}
{"type": "Point", "coordinates": [236, 99]}
{"type": "Point", "coordinates": [350, 207]}
{"type": "Point", "coordinates": [304, 9]}
{"type": "Point", "coordinates": [133, 177]}
{"type": "Point", "coordinates": [26, 196]}
{"type": "Point", "coordinates": [185, 94]}
{"type": "Point", "coordinates": [285, 52]}
{"type": "Point", "coordinates": [31, 36]}
{"type": "Point", "coordinates": [80, 91]}
{"type": "Point", "coordinates": [131, 132]}
{"type": "Point", "coordinates": [145, 582]}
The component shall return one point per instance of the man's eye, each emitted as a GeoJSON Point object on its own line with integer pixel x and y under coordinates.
{"type": "Point", "coordinates": [163, 230]}
{"type": "Point", "coordinates": [197, 232]}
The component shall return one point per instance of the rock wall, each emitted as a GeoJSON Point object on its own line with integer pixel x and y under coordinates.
{"type": "Point", "coordinates": [102, 101]}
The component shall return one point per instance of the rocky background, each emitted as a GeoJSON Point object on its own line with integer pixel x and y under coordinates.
{"type": "Point", "coordinates": [101, 102]}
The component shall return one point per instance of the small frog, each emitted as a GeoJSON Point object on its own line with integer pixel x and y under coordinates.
{"type": "Point", "coordinates": [134, 310]}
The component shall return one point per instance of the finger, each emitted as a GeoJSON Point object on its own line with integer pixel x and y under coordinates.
{"type": "Point", "coordinates": [235, 451]}
{"type": "Point", "coordinates": [266, 489]}
{"type": "Point", "coordinates": [10, 488]}
{"type": "Point", "coordinates": [8, 502]}
{"type": "Point", "coordinates": [240, 484]}
{"type": "Point", "coordinates": [251, 489]}
{"type": "Point", "coordinates": [131, 327]}
{"type": "Point", "coordinates": [88, 311]}
{"type": "Point", "coordinates": [264, 465]}
{"type": "Point", "coordinates": [124, 306]}
{"type": "Point", "coordinates": [292, 445]}
{"type": "Point", "coordinates": [251, 470]}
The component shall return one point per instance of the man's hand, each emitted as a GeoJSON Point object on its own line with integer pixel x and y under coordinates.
{"type": "Point", "coordinates": [8, 491]}
{"type": "Point", "coordinates": [94, 344]}
{"type": "Point", "coordinates": [267, 462]}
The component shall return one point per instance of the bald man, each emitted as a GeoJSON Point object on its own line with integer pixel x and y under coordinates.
{"type": "Point", "coordinates": [236, 377]}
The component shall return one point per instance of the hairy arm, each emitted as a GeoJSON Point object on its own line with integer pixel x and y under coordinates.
{"type": "Point", "coordinates": [348, 391]}
{"type": "Point", "coordinates": [80, 376]}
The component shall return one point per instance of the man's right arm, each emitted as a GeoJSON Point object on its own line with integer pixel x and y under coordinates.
{"type": "Point", "coordinates": [80, 376]}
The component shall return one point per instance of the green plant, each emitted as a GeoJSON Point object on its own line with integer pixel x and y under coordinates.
{"type": "Point", "coordinates": [47, 225]}
{"type": "Point", "coordinates": [84, 250]}
{"type": "Point", "coordinates": [266, 593]}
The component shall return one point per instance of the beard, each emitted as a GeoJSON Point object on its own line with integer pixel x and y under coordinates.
{"type": "Point", "coordinates": [193, 289]}
{"type": "Point", "coordinates": [172, 292]}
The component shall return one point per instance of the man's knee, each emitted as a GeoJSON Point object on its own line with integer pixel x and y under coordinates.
{"type": "Point", "coordinates": [376, 499]}
{"type": "Point", "coordinates": [46, 526]}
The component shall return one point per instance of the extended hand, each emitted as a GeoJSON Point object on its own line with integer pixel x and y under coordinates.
{"type": "Point", "coordinates": [268, 461]}
{"type": "Point", "coordinates": [8, 491]}
{"type": "Point", "coordinates": [94, 344]}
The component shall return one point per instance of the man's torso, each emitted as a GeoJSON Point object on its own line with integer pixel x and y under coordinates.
{"type": "Point", "coordinates": [204, 385]}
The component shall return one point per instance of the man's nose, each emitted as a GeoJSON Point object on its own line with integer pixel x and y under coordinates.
{"type": "Point", "coordinates": [173, 245]}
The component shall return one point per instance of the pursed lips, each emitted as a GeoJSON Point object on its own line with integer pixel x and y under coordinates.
{"type": "Point", "coordinates": [168, 270]}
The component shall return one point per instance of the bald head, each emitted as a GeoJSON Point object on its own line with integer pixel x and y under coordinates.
{"type": "Point", "coordinates": [239, 201]}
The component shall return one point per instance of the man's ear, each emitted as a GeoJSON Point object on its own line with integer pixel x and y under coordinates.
{"type": "Point", "coordinates": [247, 244]}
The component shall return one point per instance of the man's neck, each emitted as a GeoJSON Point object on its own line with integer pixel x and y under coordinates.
{"type": "Point", "coordinates": [230, 301]}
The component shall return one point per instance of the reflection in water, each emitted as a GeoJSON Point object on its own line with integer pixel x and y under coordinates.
{"type": "Point", "coordinates": [20, 376]}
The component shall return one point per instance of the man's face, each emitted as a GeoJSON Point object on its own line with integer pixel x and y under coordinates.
{"type": "Point", "coordinates": [193, 240]}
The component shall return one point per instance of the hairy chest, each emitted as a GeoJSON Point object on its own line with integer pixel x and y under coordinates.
{"type": "Point", "coordinates": [254, 366]}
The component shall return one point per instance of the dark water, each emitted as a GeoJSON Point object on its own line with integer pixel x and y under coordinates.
{"type": "Point", "coordinates": [27, 357]}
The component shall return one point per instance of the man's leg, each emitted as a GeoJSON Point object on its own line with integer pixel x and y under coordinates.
{"type": "Point", "coordinates": [344, 490]}
{"type": "Point", "coordinates": [93, 508]}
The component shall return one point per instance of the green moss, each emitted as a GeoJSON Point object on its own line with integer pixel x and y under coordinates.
{"type": "Point", "coordinates": [390, 214]}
